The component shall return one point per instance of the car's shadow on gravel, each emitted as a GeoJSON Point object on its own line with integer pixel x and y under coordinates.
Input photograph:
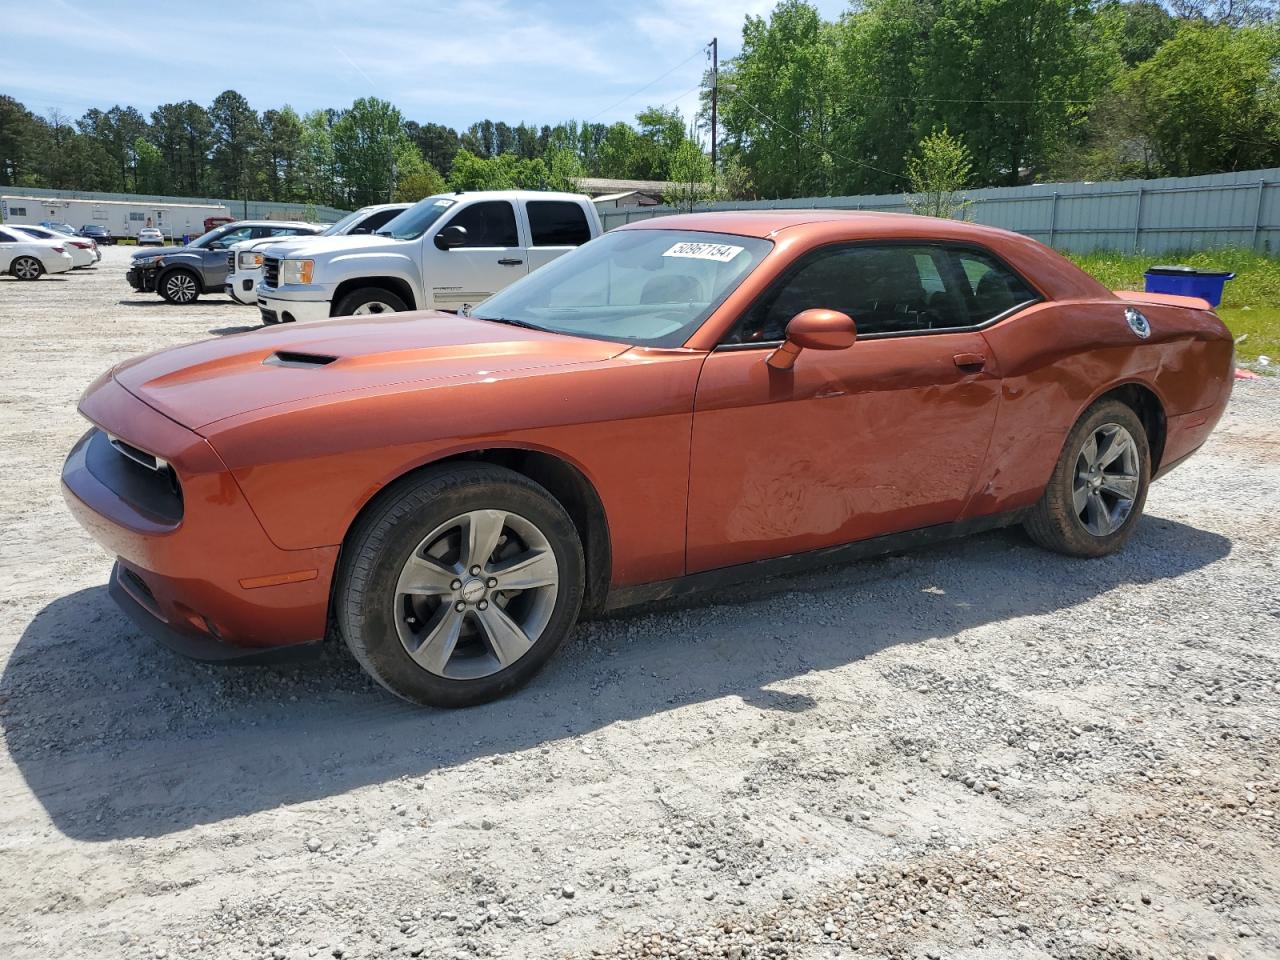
{"type": "Point", "coordinates": [118, 738]}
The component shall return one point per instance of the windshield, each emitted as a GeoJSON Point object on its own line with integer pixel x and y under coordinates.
{"type": "Point", "coordinates": [335, 229]}
{"type": "Point", "coordinates": [414, 222]}
{"type": "Point", "coordinates": [651, 287]}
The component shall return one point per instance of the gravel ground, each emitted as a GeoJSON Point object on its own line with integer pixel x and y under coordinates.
{"type": "Point", "coordinates": [982, 750]}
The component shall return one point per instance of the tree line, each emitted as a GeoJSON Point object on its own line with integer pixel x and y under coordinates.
{"type": "Point", "coordinates": [366, 153]}
{"type": "Point", "coordinates": [1033, 90]}
{"type": "Point", "coordinates": [1006, 91]}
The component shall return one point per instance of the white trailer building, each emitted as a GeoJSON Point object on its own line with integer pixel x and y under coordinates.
{"type": "Point", "coordinates": [121, 218]}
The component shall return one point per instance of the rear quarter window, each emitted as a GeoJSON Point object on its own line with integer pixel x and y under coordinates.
{"type": "Point", "coordinates": [558, 223]}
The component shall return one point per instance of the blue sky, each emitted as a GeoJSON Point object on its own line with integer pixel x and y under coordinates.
{"type": "Point", "coordinates": [451, 63]}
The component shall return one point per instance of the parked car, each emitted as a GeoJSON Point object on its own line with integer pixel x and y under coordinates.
{"type": "Point", "coordinates": [84, 253]}
{"type": "Point", "coordinates": [685, 402]}
{"type": "Point", "coordinates": [244, 263]}
{"type": "Point", "coordinates": [27, 258]}
{"type": "Point", "coordinates": [150, 237]}
{"type": "Point", "coordinates": [58, 226]}
{"type": "Point", "coordinates": [181, 274]}
{"type": "Point", "coordinates": [97, 233]}
{"type": "Point", "coordinates": [445, 252]}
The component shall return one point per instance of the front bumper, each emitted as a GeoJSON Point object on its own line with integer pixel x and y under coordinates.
{"type": "Point", "coordinates": [142, 279]}
{"type": "Point", "coordinates": [204, 572]}
{"type": "Point", "coordinates": [242, 286]}
{"type": "Point", "coordinates": [278, 310]}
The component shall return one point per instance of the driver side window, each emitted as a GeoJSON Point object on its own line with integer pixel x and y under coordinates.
{"type": "Point", "coordinates": [887, 289]}
{"type": "Point", "coordinates": [490, 223]}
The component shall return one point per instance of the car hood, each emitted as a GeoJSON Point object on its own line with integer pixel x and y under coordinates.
{"type": "Point", "coordinates": [201, 383]}
{"type": "Point", "coordinates": [320, 246]}
{"type": "Point", "coordinates": [157, 251]}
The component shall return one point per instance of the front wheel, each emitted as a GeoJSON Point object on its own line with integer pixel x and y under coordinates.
{"type": "Point", "coordinates": [180, 287]}
{"type": "Point", "coordinates": [369, 300]}
{"type": "Point", "coordinates": [1099, 485]}
{"type": "Point", "coordinates": [27, 268]}
{"type": "Point", "coordinates": [460, 585]}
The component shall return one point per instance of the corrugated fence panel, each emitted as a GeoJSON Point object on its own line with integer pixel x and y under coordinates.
{"type": "Point", "coordinates": [1171, 215]}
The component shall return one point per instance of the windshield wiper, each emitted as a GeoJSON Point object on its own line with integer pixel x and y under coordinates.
{"type": "Point", "coordinates": [510, 322]}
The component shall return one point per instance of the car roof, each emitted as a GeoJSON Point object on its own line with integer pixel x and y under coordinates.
{"type": "Point", "coordinates": [856, 224]}
{"type": "Point", "coordinates": [508, 195]}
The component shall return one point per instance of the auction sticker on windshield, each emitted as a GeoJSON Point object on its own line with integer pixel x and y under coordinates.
{"type": "Point", "coordinates": [720, 252]}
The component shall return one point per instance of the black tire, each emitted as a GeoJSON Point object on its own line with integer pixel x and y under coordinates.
{"type": "Point", "coordinates": [181, 287]}
{"type": "Point", "coordinates": [373, 300]}
{"type": "Point", "coordinates": [381, 543]}
{"type": "Point", "coordinates": [26, 268]}
{"type": "Point", "coordinates": [1055, 522]}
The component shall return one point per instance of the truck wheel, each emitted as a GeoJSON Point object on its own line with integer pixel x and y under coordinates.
{"type": "Point", "coordinates": [180, 287]}
{"type": "Point", "coordinates": [1098, 487]}
{"type": "Point", "coordinates": [459, 585]}
{"type": "Point", "coordinates": [27, 268]}
{"type": "Point", "coordinates": [369, 300]}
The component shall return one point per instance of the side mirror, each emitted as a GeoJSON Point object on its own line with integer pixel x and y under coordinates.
{"type": "Point", "coordinates": [451, 236]}
{"type": "Point", "coordinates": [813, 330]}
{"type": "Point", "coordinates": [360, 230]}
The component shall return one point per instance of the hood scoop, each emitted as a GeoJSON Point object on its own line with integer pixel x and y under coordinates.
{"type": "Point", "coordinates": [293, 358]}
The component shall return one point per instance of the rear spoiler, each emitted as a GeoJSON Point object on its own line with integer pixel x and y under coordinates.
{"type": "Point", "coordinates": [1167, 299]}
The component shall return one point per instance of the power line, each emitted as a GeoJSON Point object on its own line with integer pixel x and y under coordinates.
{"type": "Point", "coordinates": [813, 143]}
{"type": "Point", "coordinates": [636, 93]}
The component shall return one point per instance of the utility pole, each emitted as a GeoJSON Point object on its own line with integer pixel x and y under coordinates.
{"type": "Point", "coordinates": [715, 95]}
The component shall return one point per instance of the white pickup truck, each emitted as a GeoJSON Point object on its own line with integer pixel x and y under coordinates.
{"type": "Point", "coordinates": [445, 252]}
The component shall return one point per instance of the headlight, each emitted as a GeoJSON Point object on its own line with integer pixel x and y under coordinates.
{"type": "Point", "coordinates": [148, 262]}
{"type": "Point", "coordinates": [249, 260]}
{"type": "Point", "coordinates": [296, 271]}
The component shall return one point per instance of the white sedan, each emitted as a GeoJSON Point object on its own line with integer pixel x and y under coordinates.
{"type": "Point", "coordinates": [84, 253]}
{"type": "Point", "coordinates": [27, 258]}
{"type": "Point", "coordinates": [150, 237]}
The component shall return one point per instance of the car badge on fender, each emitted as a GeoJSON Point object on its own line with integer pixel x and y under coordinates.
{"type": "Point", "coordinates": [1138, 323]}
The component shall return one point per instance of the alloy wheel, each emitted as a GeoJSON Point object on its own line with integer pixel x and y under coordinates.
{"type": "Point", "coordinates": [373, 307]}
{"type": "Point", "coordinates": [476, 594]}
{"type": "Point", "coordinates": [181, 287]}
{"type": "Point", "coordinates": [27, 268]}
{"type": "Point", "coordinates": [1106, 479]}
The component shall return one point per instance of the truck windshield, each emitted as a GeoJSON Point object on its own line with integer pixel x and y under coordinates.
{"type": "Point", "coordinates": [414, 222]}
{"type": "Point", "coordinates": [651, 287]}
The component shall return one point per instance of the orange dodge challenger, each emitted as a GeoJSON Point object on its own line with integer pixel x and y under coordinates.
{"type": "Point", "coordinates": [681, 403]}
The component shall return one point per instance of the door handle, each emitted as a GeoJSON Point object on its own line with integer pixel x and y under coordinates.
{"type": "Point", "coordinates": [970, 362]}
{"type": "Point", "coordinates": [510, 262]}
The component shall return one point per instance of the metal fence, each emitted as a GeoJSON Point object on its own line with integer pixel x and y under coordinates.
{"type": "Point", "coordinates": [1178, 214]}
{"type": "Point", "coordinates": [240, 209]}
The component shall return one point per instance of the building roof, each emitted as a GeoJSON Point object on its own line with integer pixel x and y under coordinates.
{"type": "Point", "coordinates": [607, 185]}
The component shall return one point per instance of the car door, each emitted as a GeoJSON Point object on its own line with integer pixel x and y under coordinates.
{"type": "Point", "coordinates": [555, 227]}
{"type": "Point", "coordinates": [8, 250]}
{"type": "Point", "coordinates": [213, 258]}
{"type": "Point", "coordinates": [492, 256]}
{"type": "Point", "coordinates": [885, 436]}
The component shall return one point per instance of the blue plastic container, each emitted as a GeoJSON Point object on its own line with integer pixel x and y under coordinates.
{"type": "Point", "coordinates": [1188, 282]}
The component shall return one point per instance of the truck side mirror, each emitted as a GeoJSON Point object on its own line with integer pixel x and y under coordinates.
{"type": "Point", "coordinates": [451, 236]}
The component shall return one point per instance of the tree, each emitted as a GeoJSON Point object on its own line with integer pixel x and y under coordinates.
{"type": "Point", "coordinates": [17, 133]}
{"type": "Point", "coordinates": [938, 172]}
{"type": "Point", "coordinates": [1208, 99]}
{"type": "Point", "coordinates": [415, 178]}
{"type": "Point", "coordinates": [282, 153]}
{"type": "Point", "coordinates": [318, 166]}
{"type": "Point", "coordinates": [1233, 13]}
{"type": "Point", "coordinates": [436, 142]}
{"type": "Point", "coordinates": [237, 139]}
{"type": "Point", "coordinates": [689, 170]}
{"type": "Point", "coordinates": [1139, 28]}
{"type": "Point", "coordinates": [365, 143]}
{"type": "Point", "coordinates": [149, 169]}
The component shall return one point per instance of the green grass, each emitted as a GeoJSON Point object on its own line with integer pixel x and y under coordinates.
{"type": "Point", "coordinates": [1251, 303]}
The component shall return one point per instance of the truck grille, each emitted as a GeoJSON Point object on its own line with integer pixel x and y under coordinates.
{"type": "Point", "coordinates": [231, 263]}
{"type": "Point", "coordinates": [270, 272]}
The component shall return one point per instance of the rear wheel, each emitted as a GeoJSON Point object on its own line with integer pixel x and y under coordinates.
{"type": "Point", "coordinates": [460, 585]}
{"type": "Point", "coordinates": [180, 287]}
{"type": "Point", "coordinates": [369, 300]}
{"type": "Point", "coordinates": [27, 268]}
{"type": "Point", "coordinates": [1099, 485]}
